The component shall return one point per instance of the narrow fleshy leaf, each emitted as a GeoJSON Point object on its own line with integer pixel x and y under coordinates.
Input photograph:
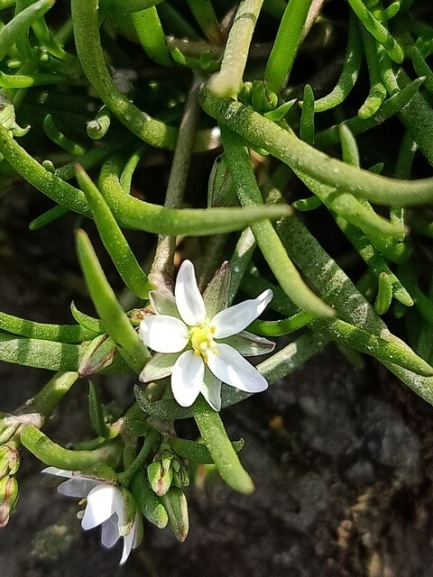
{"type": "Point", "coordinates": [21, 23]}
{"type": "Point", "coordinates": [96, 412]}
{"type": "Point", "coordinates": [39, 353]}
{"type": "Point", "coordinates": [166, 409]}
{"type": "Point", "coordinates": [113, 238]}
{"type": "Point", "coordinates": [53, 454]}
{"type": "Point", "coordinates": [44, 331]}
{"type": "Point", "coordinates": [197, 452]}
{"type": "Point", "coordinates": [86, 321]}
{"type": "Point", "coordinates": [216, 440]}
{"type": "Point", "coordinates": [113, 317]}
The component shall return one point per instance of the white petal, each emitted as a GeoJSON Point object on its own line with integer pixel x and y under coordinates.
{"type": "Point", "coordinates": [58, 472]}
{"type": "Point", "coordinates": [101, 504]}
{"type": "Point", "coordinates": [110, 533]}
{"type": "Point", "coordinates": [159, 366]}
{"type": "Point", "coordinates": [236, 318]}
{"type": "Point", "coordinates": [211, 390]}
{"type": "Point", "coordinates": [230, 366]}
{"type": "Point", "coordinates": [187, 378]}
{"type": "Point", "coordinates": [128, 542]}
{"type": "Point", "coordinates": [164, 334]}
{"type": "Point", "coordinates": [77, 487]}
{"type": "Point", "coordinates": [189, 301]}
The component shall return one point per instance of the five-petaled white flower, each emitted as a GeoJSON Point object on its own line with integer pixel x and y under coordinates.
{"type": "Point", "coordinates": [106, 506]}
{"type": "Point", "coordinates": [201, 352]}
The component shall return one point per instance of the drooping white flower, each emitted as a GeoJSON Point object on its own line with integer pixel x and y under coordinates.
{"type": "Point", "coordinates": [105, 506]}
{"type": "Point", "coordinates": [201, 352]}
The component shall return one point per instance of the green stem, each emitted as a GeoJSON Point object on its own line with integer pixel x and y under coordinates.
{"type": "Point", "coordinates": [378, 30]}
{"type": "Point", "coordinates": [113, 238]}
{"type": "Point", "coordinates": [144, 452]}
{"type": "Point", "coordinates": [131, 212]}
{"type": "Point", "coordinates": [266, 237]}
{"type": "Point", "coordinates": [206, 18]}
{"type": "Point", "coordinates": [87, 39]}
{"type": "Point", "coordinates": [47, 399]}
{"type": "Point", "coordinates": [21, 23]}
{"type": "Point", "coordinates": [377, 93]}
{"type": "Point", "coordinates": [285, 146]}
{"type": "Point", "coordinates": [393, 105]}
{"type": "Point", "coordinates": [349, 74]}
{"type": "Point", "coordinates": [127, 6]}
{"type": "Point", "coordinates": [228, 81]}
{"type": "Point", "coordinates": [384, 350]}
{"type": "Point", "coordinates": [162, 267]}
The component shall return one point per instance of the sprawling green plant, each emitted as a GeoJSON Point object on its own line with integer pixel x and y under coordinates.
{"type": "Point", "coordinates": [259, 89]}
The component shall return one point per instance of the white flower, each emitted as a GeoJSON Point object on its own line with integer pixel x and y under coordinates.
{"type": "Point", "coordinates": [106, 506]}
{"type": "Point", "coordinates": [201, 352]}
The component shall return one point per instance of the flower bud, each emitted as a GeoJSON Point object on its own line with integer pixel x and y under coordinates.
{"type": "Point", "coordinates": [98, 355]}
{"type": "Point", "coordinates": [8, 498]}
{"type": "Point", "coordinates": [9, 459]}
{"type": "Point", "coordinates": [177, 509]}
{"type": "Point", "coordinates": [160, 476]}
{"type": "Point", "coordinates": [180, 474]}
{"type": "Point", "coordinates": [8, 427]}
{"type": "Point", "coordinates": [262, 98]}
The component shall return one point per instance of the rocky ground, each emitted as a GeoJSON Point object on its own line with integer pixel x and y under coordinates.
{"type": "Point", "coordinates": [342, 460]}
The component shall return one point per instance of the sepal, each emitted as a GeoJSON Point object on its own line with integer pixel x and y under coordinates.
{"type": "Point", "coordinates": [177, 509]}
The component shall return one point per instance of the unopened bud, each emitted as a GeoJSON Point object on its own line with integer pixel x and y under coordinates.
{"type": "Point", "coordinates": [98, 355]}
{"type": "Point", "coordinates": [8, 498]}
{"type": "Point", "coordinates": [9, 459]}
{"type": "Point", "coordinates": [177, 509]}
{"type": "Point", "coordinates": [180, 475]}
{"type": "Point", "coordinates": [160, 476]}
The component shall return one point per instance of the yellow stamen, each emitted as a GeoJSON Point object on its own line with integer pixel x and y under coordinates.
{"type": "Point", "coordinates": [202, 340]}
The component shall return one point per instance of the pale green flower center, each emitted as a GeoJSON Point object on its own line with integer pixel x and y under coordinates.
{"type": "Point", "coordinates": [202, 341]}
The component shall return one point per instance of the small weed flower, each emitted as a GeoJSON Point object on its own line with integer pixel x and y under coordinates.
{"type": "Point", "coordinates": [200, 349]}
{"type": "Point", "coordinates": [106, 505]}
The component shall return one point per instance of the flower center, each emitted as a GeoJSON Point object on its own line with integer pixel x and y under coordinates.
{"type": "Point", "coordinates": [202, 340]}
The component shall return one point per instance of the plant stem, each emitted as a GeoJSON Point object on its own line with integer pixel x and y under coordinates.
{"type": "Point", "coordinates": [161, 274]}
{"type": "Point", "coordinates": [228, 81]}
